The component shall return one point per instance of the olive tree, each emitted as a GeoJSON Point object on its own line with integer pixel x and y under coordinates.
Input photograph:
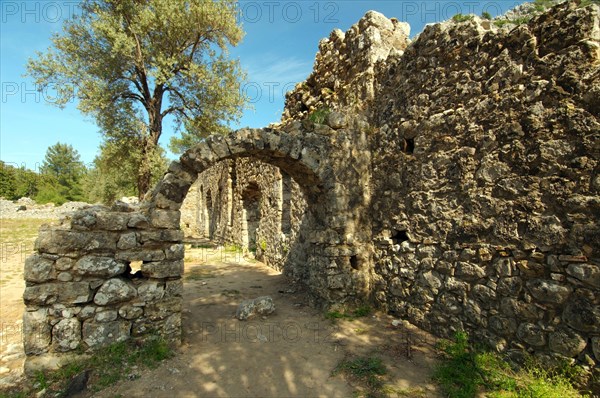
{"type": "Point", "coordinates": [132, 63]}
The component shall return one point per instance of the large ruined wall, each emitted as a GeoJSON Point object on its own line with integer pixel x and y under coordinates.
{"type": "Point", "coordinates": [485, 175]}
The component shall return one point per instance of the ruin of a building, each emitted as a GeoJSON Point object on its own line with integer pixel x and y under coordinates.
{"type": "Point", "coordinates": [453, 181]}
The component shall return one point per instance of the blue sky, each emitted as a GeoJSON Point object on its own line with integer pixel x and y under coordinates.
{"type": "Point", "coordinates": [277, 52]}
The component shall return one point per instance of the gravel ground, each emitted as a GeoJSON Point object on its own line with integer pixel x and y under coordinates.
{"type": "Point", "coordinates": [27, 208]}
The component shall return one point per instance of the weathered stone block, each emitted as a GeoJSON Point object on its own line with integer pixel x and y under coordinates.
{"type": "Point", "coordinates": [65, 293]}
{"type": "Point", "coordinates": [582, 315]}
{"type": "Point", "coordinates": [549, 291]}
{"type": "Point", "coordinates": [106, 316]}
{"type": "Point", "coordinates": [138, 220]}
{"type": "Point", "coordinates": [105, 267]}
{"type": "Point", "coordinates": [112, 221]}
{"type": "Point", "coordinates": [504, 266]}
{"type": "Point", "coordinates": [163, 308]}
{"type": "Point", "coordinates": [87, 312]}
{"type": "Point", "coordinates": [130, 312]}
{"type": "Point", "coordinates": [96, 334]}
{"type": "Point", "coordinates": [174, 288]}
{"type": "Point", "coordinates": [38, 269]}
{"type": "Point", "coordinates": [55, 241]}
{"type": "Point", "coordinates": [127, 241]}
{"type": "Point", "coordinates": [36, 331]}
{"type": "Point", "coordinates": [566, 342]}
{"type": "Point", "coordinates": [64, 277]}
{"type": "Point", "coordinates": [64, 264]}
{"type": "Point", "coordinates": [531, 334]}
{"type": "Point", "coordinates": [161, 235]}
{"type": "Point", "coordinates": [596, 347]}
{"type": "Point", "coordinates": [141, 255]}
{"type": "Point", "coordinates": [115, 291]}
{"type": "Point", "coordinates": [432, 279]}
{"type": "Point", "coordinates": [175, 252]}
{"type": "Point", "coordinates": [517, 308]}
{"type": "Point", "coordinates": [66, 335]}
{"type": "Point", "coordinates": [151, 291]}
{"type": "Point", "coordinates": [509, 286]}
{"type": "Point", "coordinates": [484, 294]}
{"type": "Point", "coordinates": [587, 273]}
{"type": "Point", "coordinates": [163, 269]}
{"type": "Point", "coordinates": [531, 269]}
{"type": "Point", "coordinates": [172, 328]}
{"type": "Point", "coordinates": [167, 219]}
{"type": "Point", "coordinates": [504, 326]}
{"type": "Point", "coordinates": [469, 271]}
{"type": "Point", "coordinates": [259, 306]}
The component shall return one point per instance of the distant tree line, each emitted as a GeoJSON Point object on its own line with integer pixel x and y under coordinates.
{"type": "Point", "coordinates": [63, 177]}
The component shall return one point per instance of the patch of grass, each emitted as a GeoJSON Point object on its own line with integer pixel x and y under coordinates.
{"type": "Point", "coordinates": [262, 244]}
{"type": "Point", "coordinates": [107, 366]}
{"type": "Point", "coordinates": [486, 15]}
{"type": "Point", "coordinates": [19, 230]}
{"type": "Point", "coordinates": [359, 312]}
{"type": "Point", "coordinates": [501, 22]}
{"type": "Point", "coordinates": [232, 249]}
{"type": "Point", "coordinates": [462, 18]}
{"type": "Point", "coordinates": [318, 116]}
{"type": "Point", "coordinates": [367, 371]}
{"type": "Point", "coordinates": [466, 371]}
{"type": "Point", "coordinates": [230, 292]}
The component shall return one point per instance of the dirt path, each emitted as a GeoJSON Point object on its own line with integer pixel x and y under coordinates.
{"type": "Point", "coordinates": [290, 353]}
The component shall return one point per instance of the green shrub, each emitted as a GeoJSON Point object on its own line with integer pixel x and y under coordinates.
{"type": "Point", "coordinates": [465, 371]}
{"type": "Point", "coordinates": [368, 371]}
{"type": "Point", "coordinates": [462, 18]}
{"type": "Point", "coordinates": [319, 116]}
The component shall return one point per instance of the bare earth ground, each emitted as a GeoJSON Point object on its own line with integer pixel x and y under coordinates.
{"type": "Point", "coordinates": [290, 353]}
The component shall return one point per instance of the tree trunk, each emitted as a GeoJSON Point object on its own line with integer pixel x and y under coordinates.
{"type": "Point", "coordinates": [149, 146]}
{"type": "Point", "coordinates": [145, 171]}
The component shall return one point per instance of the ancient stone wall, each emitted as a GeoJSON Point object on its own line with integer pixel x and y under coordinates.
{"type": "Point", "coordinates": [466, 195]}
{"type": "Point", "coordinates": [83, 292]}
{"type": "Point", "coordinates": [485, 179]}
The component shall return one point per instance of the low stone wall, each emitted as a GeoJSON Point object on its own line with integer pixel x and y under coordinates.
{"type": "Point", "coordinates": [82, 293]}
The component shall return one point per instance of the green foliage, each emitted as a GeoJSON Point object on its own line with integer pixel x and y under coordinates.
{"type": "Point", "coordinates": [359, 312]}
{"type": "Point", "coordinates": [462, 18]}
{"type": "Point", "coordinates": [132, 63]}
{"type": "Point", "coordinates": [7, 181]}
{"type": "Point", "coordinates": [16, 182]}
{"type": "Point", "coordinates": [108, 365]}
{"type": "Point", "coordinates": [319, 116]}
{"type": "Point", "coordinates": [60, 176]}
{"type": "Point", "coordinates": [115, 171]}
{"type": "Point", "coordinates": [368, 371]}
{"type": "Point", "coordinates": [262, 244]}
{"type": "Point", "coordinates": [543, 5]}
{"type": "Point", "coordinates": [465, 371]}
{"type": "Point", "coordinates": [486, 15]}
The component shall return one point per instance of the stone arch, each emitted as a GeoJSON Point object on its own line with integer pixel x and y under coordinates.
{"type": "Point", "coordinates": [82, 264]}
